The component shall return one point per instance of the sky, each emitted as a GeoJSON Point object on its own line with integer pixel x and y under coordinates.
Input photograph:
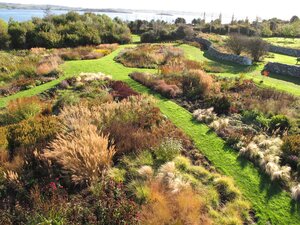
{"type": "Point", "coordinates": [240, 8]}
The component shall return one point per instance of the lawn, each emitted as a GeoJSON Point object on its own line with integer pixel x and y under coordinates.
{"type": "Point", "coordinates": [269, 201]}
{"type": "Point", "coordinates": [284, 42]}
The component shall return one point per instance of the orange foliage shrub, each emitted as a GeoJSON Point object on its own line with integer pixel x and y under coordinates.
{"type": "Point", "coordinates": [185, 207]}
{"type": "Point", "coordinates": [169, 90]}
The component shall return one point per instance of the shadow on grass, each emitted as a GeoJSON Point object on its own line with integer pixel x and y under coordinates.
{"type": "Point", "coordinates": [273, 188]}
{"type": "Point", "coordinates": [295, 207]}
{"type": "Point", "coordinates": [287, 78]}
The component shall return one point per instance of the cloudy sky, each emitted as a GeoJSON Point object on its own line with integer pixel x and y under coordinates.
{"type": "Point", "coordinates": [241, 8]}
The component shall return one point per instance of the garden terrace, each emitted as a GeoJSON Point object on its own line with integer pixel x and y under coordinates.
{"type": "Point", "coordinates": [118, 159]}
{"type": "Point", "coordinates": [270, 202]}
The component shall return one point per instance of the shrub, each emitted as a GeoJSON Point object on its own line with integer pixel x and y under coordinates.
{"type": "Point", "coordinates": [168, 150]}
{"type": "Point", "coordinates": [168, 90]}
{"type": "Point", "coordinates": [221, 105]}
{"type": "Point", "coordinates": [3, 138]}
{"type": "Point", "coordinates": [21, 109]}
{"type": "Point", "coordinates": [110, 205]}
{"type": "Point", "coordinates": [291, 149]}
{"type": "Point", "coordinates": [48, 65]}
{"type": "Point", "coordinates": [143, 78]}
{"type": "Point", "coordinates": [279, 122]}
{"type": "Point", "coordinates": [236, 43]}
{"type": "Point", "coordinates": [83, 153]}
{"type": "Point", "coordinates": [257, 47]}
{"type": "Point", "coordinates": [121, 90]}
{"type": "Point", "coordinates": [32, 132]}
{"type": "Point", "coordinates": [255, 117]}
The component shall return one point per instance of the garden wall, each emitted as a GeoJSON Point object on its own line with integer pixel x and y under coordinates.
{"type": "Point", "coordinates": [285, 51]}
{"type": "Point", "coordinates": [283, 69]}
{"type": "Point", "coordinates": [211, 51]}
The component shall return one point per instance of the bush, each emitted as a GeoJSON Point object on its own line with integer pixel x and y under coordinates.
{"type": "Point", "coordinates": [255, 117]}
{"type": "Point", "coordinates": [168, 150]}
{"type": "Point", "coordinates": [236, 43]}
{"type": "Point", "coordinates": [291, 149]}
{"type": "Point", "coordinates": [196, 84]}
{"type": "Point", "coordinates": [21, 109]}
{"type": "Point", "coordinates": [279, 122]}
{"type": "Point", "coordinates": [121, 90]}
{"type": "Point", "coordinates": [221, 105]}
{"type": "Point", "coordinates": [257, 47]}
{"type": "Point", "coordinates": [112, 206]}
{"type": "Point", "coordinates": [31, 133]}
{"type": "Point", "coordinates": [168, 90]}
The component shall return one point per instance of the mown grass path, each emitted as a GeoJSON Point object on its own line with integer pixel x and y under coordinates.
{"type": "Point", "coordinates": [270, 202]}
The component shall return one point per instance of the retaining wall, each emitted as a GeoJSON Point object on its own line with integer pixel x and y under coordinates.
{"type": "Point", "coordinates": [213, 52]}
{"type": "Point", "coordinates": [285, 51]}
{"type": "Point", "coordinates": [283, 69]}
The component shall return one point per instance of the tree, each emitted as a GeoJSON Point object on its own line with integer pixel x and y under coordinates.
{"type": "Point", "coordinates": [4, 37]}
{"type": "Point", "coordinates": [257, 47]}
{"type": "Point", "coordinates": [180, 20]}
{"type": "Point", "coordinates": [236, 43]}
{"type": "Point", "coordinates": [294, 19]}
{"type": "Point", "coordinates": [17, 34]}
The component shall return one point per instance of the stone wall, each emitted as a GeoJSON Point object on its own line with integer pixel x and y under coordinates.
{"type": "Point", "coordinates": [285, 51]}
{"type": "Point", "coordinates": [283, 69]}
{"type": "Point", "coordinates": [211, 51]}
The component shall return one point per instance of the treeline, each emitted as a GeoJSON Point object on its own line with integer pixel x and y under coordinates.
{"type": "Point", "coordinates": [67, 30]}
{"type": "Point", "coordinates": [158, 30]}
{"type": "Point", "coordinates": [266, 28]}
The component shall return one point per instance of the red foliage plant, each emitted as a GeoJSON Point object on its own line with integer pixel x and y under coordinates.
{"type": "Point", "coordinates": [122, 90]}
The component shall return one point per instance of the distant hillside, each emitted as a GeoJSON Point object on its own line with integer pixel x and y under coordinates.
{"type": "Point", "coordinates": [4, 5]}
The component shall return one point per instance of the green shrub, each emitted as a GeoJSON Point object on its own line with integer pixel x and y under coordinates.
{"type": "Point", "coordinates": [279, 122]}
{"type": "Point", "coordinates": [255, 117]}
{"type": "Point", "coordinates": [32, 132]}
{"type": "Point", "coordinates": [3, 138]}
{"type": "Point", "coordinates": [168, 150]}
{"type": "Point", "coordinates": [291, 150]}
{"type": "Point", "coordinates": [21, 109]}
{"type": "Point", "coordinates": [221, 104]}
{"type": "Point", "coordinates": [117, 175]}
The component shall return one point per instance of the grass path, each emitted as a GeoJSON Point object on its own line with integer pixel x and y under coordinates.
{"type": "Point", "coordinates": [269, 201]}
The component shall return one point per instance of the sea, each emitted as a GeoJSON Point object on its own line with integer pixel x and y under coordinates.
{"type": "Point", "coordinates": [25, 15]}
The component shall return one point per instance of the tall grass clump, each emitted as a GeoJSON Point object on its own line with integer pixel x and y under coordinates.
{"type": "Point", "coordinates": [84, 154]}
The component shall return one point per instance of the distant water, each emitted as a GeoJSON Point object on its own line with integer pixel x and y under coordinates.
{"type": "Point", "coordinates": [24, 15]}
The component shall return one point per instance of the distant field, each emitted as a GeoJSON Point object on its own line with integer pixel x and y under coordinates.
{"type": "Point", "coordinates": [285, 42]}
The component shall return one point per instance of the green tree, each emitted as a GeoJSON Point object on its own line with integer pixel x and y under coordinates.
{"type": "Point", "coordinates": [4, 37]}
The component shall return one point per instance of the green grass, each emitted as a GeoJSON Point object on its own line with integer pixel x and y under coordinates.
{"type": "Point", "coordinates": [280, 82]}
{"type": "Point", "coordinates": [269, 201]}
{"type": "Point", "coordinates": [284, 42]}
